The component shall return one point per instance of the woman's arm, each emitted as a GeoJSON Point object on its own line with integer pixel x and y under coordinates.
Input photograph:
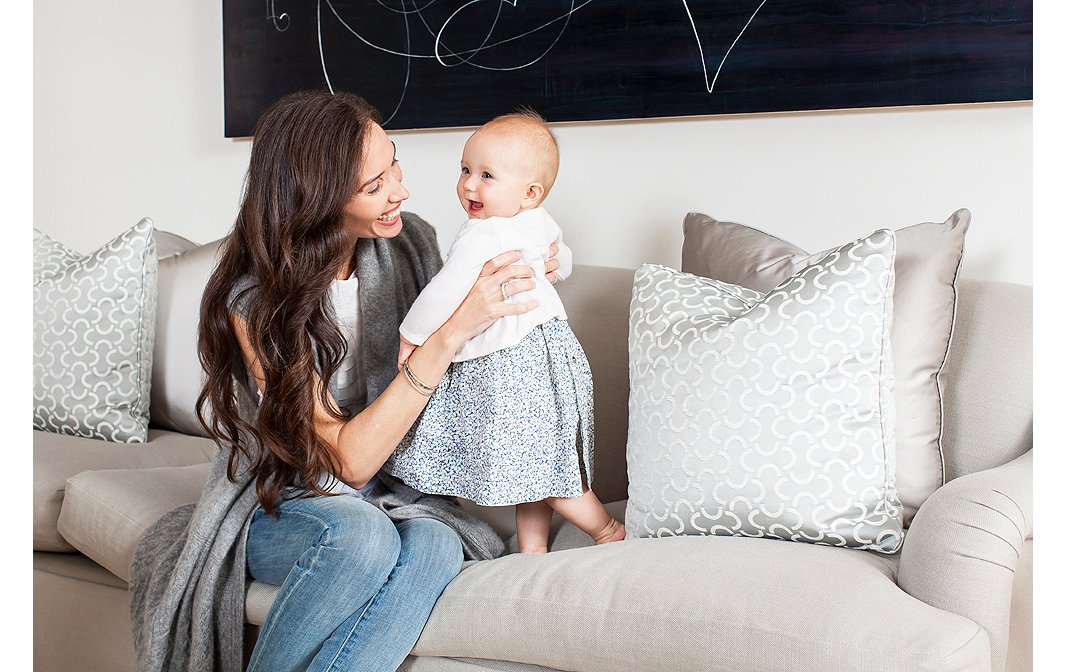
{"type": "Point", "coordinates": [364, 442]}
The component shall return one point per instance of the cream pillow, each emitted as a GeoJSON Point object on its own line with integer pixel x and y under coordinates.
{"type": "Point", "coordinates": [928, 258]}
{"type": "Point", "coordinates": [766, 415]}
{"type": "Point", "coordinates": [178, 377]}
{"type": "Point", "coordinates": [93, 331]}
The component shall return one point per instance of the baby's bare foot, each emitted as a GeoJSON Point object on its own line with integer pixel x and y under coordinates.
{"type": "Point", "coordinates": [614, 531]}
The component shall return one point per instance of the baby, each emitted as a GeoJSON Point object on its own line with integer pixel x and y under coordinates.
{"type": "Point", "coordinates": [511, 421]}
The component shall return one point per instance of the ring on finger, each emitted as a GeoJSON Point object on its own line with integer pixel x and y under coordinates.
{"type": "Point", "coordinates": [503, 290]}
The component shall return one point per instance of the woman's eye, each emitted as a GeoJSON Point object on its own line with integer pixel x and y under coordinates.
{"type": "Point", "coordinates": [376, 189]}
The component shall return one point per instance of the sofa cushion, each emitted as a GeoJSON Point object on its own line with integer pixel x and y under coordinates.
{"type": "Point", "coordinates": [177, 376]}
{"type": "Point", "coordinates": [93, 329]}
{"type": "Point", "coordinates": [988, 378]}
{"type": "Point", "coordinates": [928, 257]}
{"type": "Point", "coordinates": [597, 300]}
{"type": "Point", "coordinates": [766, 416]}
{"type": "Point", "coordinates": [694, 603]}
{"type": "Point", "coordinates": [105, 512]}
{"type": "Point", "coordinates": [57, 457]}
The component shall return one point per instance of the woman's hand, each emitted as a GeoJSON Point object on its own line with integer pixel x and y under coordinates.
{"type": "Point", "coordinates": [488, 299]}
{"type": "Point", "coordinates": [552, 264]}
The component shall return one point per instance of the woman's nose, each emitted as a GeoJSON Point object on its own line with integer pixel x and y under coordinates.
{"type": "Point", "coordinates": [400, 193]}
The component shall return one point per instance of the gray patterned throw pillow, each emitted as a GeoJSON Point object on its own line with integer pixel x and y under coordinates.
{"type": "Point", "coordinates": [93, 331]}
{"type": "Point", "coordinates": [766, 415]}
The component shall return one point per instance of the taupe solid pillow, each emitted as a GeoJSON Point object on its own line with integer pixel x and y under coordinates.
{"type": "Point", "coordinates": [928, 258]}
{"type": "Point", "coordinates": [178, 376]}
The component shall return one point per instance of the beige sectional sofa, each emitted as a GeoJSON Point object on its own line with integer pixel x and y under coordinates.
{"type": "Point", "coordinates": [957, 597]}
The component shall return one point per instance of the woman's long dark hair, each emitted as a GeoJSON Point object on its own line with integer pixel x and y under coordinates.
{"type": "Point", "coordinates": [289, 238]}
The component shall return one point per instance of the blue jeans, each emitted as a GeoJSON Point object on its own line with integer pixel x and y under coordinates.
{"type": "Point", "coordinates": [356, 588]}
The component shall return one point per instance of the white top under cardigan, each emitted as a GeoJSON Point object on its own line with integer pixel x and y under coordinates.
{"type": "Point", "coordinates": [532, 232]}
{"type": "Point", "coordinates": [349, 381]}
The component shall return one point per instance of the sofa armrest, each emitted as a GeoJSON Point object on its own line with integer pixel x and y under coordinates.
{"type": "Point", "coordinates": [964, 543]}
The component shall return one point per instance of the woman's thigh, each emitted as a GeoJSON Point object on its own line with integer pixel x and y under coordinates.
{"type": "Point", "coordinates": [357, 533]}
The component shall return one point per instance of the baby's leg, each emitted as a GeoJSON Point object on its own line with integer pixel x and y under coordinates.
{"type": "Point", "coordinates": [533, 520]}
{"type": "Point", "coordinates": [588, 514]}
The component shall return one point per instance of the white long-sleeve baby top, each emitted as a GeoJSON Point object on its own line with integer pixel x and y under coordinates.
{"type": "Point", "coordinates": [531, 231]}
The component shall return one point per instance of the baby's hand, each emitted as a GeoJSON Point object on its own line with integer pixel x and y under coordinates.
{"type": "Point", "coordinates": [406, 348]}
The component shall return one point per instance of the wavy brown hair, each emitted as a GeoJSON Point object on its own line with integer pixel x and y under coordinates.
{"type": "Point", "coordinates": [289, 238]}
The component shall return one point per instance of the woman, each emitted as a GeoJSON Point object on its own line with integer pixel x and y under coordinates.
{"type": "Point", "coordinates": [298, 340]}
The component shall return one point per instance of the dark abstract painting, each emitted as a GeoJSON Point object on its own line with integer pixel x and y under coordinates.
{"type": "Point", "coordinates": [445, 63]}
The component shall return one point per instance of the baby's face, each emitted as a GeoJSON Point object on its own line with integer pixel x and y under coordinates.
{"type": "Point", "coordinates": [494, 176]}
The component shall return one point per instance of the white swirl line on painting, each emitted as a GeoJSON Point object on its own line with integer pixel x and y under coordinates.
{"type": "Point", "coordinates": [321, 54]}
{"type": "Point", "coordinates": [416, 9]}
{"type": "Point", "coordinates": [407, 61]}
{"type": "Point", "coordinates": [436, 44]}
{"type": "Point", "coordinates": [699, 45]}
{"type": "Point", "coordinates": [276, 18]}
{"type": "Point", "coordinates": [565, 16]}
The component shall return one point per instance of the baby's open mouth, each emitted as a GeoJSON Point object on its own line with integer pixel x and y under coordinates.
{"type": "Point", "coordinates": [475, 206]}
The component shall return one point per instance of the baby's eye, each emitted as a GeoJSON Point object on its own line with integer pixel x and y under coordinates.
{"type": "Point", "coordinates": [464, 170]}
{"type": "Point", "coordinates": [487, 176]}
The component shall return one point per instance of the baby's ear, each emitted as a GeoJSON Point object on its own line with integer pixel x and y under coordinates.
{"type": "Point", "coordinates": [534, 194]}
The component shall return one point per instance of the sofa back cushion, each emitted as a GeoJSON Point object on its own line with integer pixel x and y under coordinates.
{"type": "Point", "coordinates": [597, 302]}
{"type": "Point", "coordinates": [177, 376]}
{"type": "Point", "coordinates": [987, 380]}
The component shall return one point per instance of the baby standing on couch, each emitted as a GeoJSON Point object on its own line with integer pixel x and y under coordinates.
{"type": "Point", "coordinates": [511, 420]}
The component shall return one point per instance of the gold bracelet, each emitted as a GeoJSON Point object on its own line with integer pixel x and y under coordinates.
{"type": "Point", "coordinates": [420, 387]}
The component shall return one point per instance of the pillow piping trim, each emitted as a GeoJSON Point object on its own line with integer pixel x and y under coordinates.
{"type": "Point", "coordinates": [887, 309]}
{"type": "Point", "coordinates": [944, 361]}
{"type": "Point", "coordinates": [142, 417]}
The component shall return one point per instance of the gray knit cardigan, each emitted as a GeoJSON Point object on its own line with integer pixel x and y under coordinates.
{"type": "Point", "coordinates": [188, 577]}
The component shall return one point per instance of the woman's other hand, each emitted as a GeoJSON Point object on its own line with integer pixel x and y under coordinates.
{"type": "Point", "coordinates": [406, 348]}
{"type": "Point", "coordinates": [552, 264]}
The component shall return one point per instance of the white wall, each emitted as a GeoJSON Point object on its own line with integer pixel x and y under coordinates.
{"type": "Point", "coordinates": [128, 122]}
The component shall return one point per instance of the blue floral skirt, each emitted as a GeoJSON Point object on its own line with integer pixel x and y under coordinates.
{"type": "Point", "coordinates": [512, 426]}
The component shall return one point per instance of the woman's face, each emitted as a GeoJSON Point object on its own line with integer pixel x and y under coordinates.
{"type": "Point", "coordinates": [374, 210]}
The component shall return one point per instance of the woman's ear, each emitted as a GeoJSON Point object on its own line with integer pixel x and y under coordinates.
{"type": "Point", "coordinates": [534, 194]}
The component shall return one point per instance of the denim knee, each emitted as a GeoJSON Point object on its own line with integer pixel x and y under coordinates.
{"type": "Point", "coordinates": [433, 545]}
{"type": "Point", "coordinates": [352, 537]}
{"type": "Point", "coordinates": [363, 534]}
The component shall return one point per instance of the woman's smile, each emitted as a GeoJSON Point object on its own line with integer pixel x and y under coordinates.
{"type": "Point", "coordinates": [390, 217]}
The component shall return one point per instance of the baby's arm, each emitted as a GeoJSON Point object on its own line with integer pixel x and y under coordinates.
{"type": "Point", "coordinates": [436, 303]}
